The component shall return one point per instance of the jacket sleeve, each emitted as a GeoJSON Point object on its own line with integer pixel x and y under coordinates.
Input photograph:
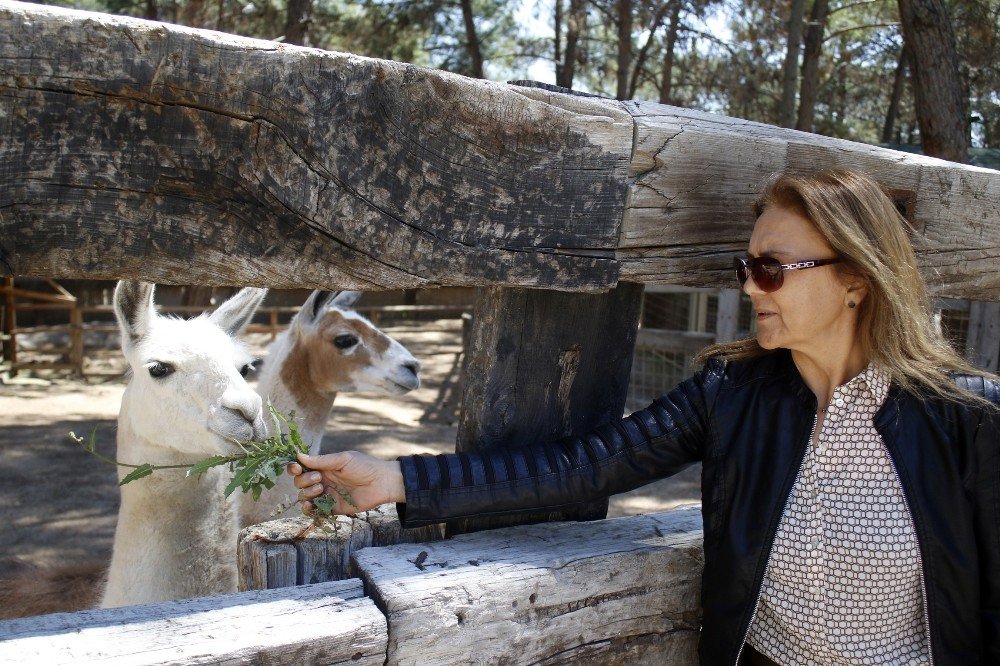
{"type": "Point", "coordinates": [987, 499]}
{"type": "Point", "coordinates": [647, 445]}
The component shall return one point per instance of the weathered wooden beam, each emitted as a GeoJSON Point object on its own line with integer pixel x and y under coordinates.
{"type": "Point", "coordinates": [138, 149]}
{"type": "Point", "coordinates": [329, 623]}
{"type": "Point", "coordinates": [145, 150]}
{"type": "Point", "coordinates": [620, 591]}
{"type": "Point", "coordinates": [695, 174]}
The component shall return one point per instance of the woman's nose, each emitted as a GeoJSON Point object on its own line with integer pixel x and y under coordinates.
{"type": "Point", "coordinates": [750, 287]}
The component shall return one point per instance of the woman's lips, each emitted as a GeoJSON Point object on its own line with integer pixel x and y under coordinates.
{"type": "Point", "coordinates": [761, 316]}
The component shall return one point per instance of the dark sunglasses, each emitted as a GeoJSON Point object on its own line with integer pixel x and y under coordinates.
{"type": "Point", "coordinates": [768, 273]}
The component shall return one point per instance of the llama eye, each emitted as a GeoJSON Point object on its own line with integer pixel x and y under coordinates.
{"type": "Point", "coordinates": [159, 370]}
{"type": "Point", "coordinates": [245, 370]}
{"type": "Point", "coordinates": [345, 341]}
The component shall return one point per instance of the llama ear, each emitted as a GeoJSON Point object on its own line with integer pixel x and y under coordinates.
{"type": "Point", "coordinates": [347, 299]}
{"type": "Point", "coordinates": [134, 310]}
{"type": "Point", "coordinates": [234, 315]}
{"type": "Point", "coordinates": [316, 303]}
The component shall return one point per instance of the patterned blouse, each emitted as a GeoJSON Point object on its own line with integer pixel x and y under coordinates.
{"type": "Point", "coordinates": [843, 581]}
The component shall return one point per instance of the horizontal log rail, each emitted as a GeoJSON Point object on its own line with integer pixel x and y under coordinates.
{"type": "Point", "coordinates": [144, 150]}
{"type": "Point", "coordinates": [558, 593]}
{"type": "Point", "coordinates": [78, 327]}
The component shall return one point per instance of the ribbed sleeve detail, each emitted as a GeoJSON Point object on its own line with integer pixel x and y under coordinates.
{"type": "Point", "coordinates": [653, 443]}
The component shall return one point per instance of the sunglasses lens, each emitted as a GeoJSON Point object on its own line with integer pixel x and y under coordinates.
{"type": "Point", "coordinates": [766, 272]}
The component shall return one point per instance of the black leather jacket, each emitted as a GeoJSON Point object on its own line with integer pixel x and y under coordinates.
{"type": "Point", "coordinates": [749, 423]}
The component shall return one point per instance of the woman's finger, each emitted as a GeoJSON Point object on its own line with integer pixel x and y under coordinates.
{"type": "Point", "coordinates": [293, 469]}
{"type": "Point", "coordinates": [307, 479]}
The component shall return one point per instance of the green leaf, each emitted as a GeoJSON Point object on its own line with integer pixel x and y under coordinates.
{"type": "Point", "coordinates": [243, 475]}
{"type": "Point", "coordinates": [300, 446]}
{"type": "Point", "coordinates": [139, 472]}
{"type": "Point", "coordinates": [201, 466]}
{"type": "Point", "coordinates": [325, 504]}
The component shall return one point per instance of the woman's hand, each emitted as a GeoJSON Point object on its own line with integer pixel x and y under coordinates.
{"type": "Point", "coordinates": [369, 481]}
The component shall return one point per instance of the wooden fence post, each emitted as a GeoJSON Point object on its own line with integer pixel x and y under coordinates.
{"type": "Point", "coordinates": [727, 318]}
{"type": "Point", "coordinates": [983, 343]}
{"type": "Point", "coordinates": [543, 365]}
{"type": "Point", "coordinates": [76, 339]}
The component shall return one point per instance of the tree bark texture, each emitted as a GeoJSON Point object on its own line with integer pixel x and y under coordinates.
{"type": "Point", "coordinates": [149, 151]}
{"type": "Point", "coordinates": [790, 70]}
{"type": "Point", "coordinates": [297, 21]}
{"type": "Point", "coordinates": [640, 60]}
{"type": "Point", "coordinates": [898, 82]}
{"type": "Point", "coordinates": [666, 84]}
{"type": "Point", "coordinates": [624, 25]}
{"type": "Point", "coordinates": [941, 105]}
{"type": "Point", "coordinates": [811, 51]}
{"type": "Point", "coordinates": [472, 40]}
{"type": "Point", "coordinates": [576, 23]}
{"type": "Point", "coordinates": [557, 30]}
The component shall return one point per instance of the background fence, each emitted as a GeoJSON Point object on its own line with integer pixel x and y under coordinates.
{"type": "Point", "coordinates": [74, 334]}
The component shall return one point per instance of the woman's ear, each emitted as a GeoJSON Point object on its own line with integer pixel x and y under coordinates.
{"type": "Point", "coordinates": [857, 291]}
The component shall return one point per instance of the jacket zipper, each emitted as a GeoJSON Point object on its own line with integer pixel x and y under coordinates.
{"type": "Point", "coordinates": [920, 556]}
{"type": "Point", "coordinates": [767, 566]}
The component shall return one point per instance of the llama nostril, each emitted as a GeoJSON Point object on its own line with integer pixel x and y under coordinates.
{"type": "Point", "coordinates": [413, 367]}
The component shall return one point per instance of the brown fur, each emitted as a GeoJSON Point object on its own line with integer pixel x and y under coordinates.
{"type": "Point", "coordinates": [27, 589]}
{"type": "Point", "coordinates": [310, 372]}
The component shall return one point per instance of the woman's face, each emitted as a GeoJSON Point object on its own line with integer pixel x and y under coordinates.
{"type": "Point", "coordinates": [809, 312]}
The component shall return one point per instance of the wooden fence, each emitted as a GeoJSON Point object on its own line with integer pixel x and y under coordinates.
{"type": "Point", "coordinates": [619, 591]}
{"type": "Point", "coordinates": [134, 149]}
{"type": "Point", "coordinates": [81, 321]}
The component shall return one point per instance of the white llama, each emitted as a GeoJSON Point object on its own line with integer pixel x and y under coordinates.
{"type": "Point", "coordinates": [186, 400]}
{"type": "Point", "coordinates": [328, 348]}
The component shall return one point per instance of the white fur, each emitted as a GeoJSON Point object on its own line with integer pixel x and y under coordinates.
{"type": "Point", "coordinates": [387, 373]}
{"type": "Point", "coordinates": [176, 536]}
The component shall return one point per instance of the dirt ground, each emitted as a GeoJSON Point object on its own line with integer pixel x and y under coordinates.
{"type": "Point", "coordinates": [59, 504]}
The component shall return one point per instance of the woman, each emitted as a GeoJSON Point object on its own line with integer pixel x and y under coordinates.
{"type": "Point", "coordinates": [851, 462]}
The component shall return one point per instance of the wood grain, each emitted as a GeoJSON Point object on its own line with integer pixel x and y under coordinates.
{"type": "Point", "coordinates": [330, 623]}
{"type": "Point", "coordinates": [146, 150]}
{"type": "Point", "coordinates": [134, 149]}
{"type": "Point", "coordinates": [621, 591]}
{"type": "Point", "coordinates": [695, 175]}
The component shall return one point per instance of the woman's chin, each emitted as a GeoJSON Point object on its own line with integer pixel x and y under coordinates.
{"type": "Point", "coordinates": [767, 342]}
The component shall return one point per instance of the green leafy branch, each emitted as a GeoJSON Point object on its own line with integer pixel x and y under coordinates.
{"type": "Point", "coordinates": [254, 470]}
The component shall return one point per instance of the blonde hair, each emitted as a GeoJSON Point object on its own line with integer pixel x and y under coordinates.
{"type": "Point", "coordinates": [895, 321]}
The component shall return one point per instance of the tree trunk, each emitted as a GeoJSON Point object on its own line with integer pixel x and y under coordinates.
{"type": "Point", "coordinates": [575, 25]}
{"type": "Point", "coordinates": [557, 30]}
{"type": "Point", "coordinates": [937, 84]}
{"type": "Point", "coordinates": [812, 48]}
{"type": "Point", "coordinates": [297, 21]}
{"type": "Point", "coordinates": [472, 40]}
{"type": "Point", "coordinates": [897, 94]}
{"type": "Point", "coordinates": [624, 47]}
{"type": "Point", "coordinates": [640, 60]}
{"type": "Point", "coordinates": [668, 56]}
{"type": "Point", "coordinates": [152, 11]}
{"type": "Point", "coordinates": [789, 77]}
